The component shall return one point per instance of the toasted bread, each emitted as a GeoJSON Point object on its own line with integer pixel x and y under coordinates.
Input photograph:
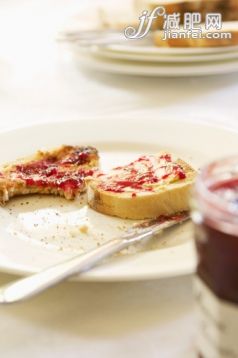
{"type": "Point", "coordinates": [152, 185]}
{"type": "Point", "coordinates": [61, 171]}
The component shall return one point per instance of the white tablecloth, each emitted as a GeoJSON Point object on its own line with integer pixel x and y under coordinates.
{"type": "Point", "coordinates": [39, 82]}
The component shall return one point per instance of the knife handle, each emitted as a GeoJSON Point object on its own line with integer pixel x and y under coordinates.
{"type": "Point", "coordinates": [36, 283]}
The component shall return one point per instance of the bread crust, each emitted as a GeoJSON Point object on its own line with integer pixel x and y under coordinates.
{"type": "Point", "coordinates": [18, 178]}
{"type": "Point", "coordinates": [166, 200]}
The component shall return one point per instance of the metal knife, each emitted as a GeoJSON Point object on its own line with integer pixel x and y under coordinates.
{"type": "Point", "coordinates": [36, 283]}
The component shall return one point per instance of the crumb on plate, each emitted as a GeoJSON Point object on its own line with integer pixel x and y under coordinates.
{"type": "Point", "coordinates": [83, 229]}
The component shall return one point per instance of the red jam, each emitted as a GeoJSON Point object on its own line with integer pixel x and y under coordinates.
{"type": "Point", "coordinates": [78, 157]}
{"type": "Point", "coordinates": [56, 173]}
{"type": "Point", "coordinates": [48, 174]}
{"type": "Point", "coordinates": [218, 255]}
{"type": "Point", "coordinates": [215, 215]}
{"type": "Point", "coordinates": [227, 190]}
{"type": "Point", "coordinates": [178, 217]}
{"type": "Point", "coordinates": [137, 176]}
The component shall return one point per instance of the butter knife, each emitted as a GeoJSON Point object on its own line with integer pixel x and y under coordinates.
{"type": "Point", "coordinates": [31, 285]}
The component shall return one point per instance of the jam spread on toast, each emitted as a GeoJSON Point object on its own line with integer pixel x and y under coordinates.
{"type": "Point", "coordinates": [143, 174]}
{"type": "Point", "coordinates": [50, 174]}
{"type": "Point", "coordinates": [63, 169]}
{"type": "Point", "coordinates": [66, 173]}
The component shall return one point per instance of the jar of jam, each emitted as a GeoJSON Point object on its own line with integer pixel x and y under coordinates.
{"type": "Point", "coordinates": [215, 217]}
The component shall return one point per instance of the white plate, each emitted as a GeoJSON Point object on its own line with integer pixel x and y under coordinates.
{"type": "Point", "coordinates": [146, 47]}
{"type": "Point", "coordinates": [162, 69]}
{"type": "Point", "coordinates": [36, 232]}
{"type": "Point", "coordinates": [160, 57]}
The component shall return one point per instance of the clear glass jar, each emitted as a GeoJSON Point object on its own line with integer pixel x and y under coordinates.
{"type": "Point", "coordinates": [215, 217]}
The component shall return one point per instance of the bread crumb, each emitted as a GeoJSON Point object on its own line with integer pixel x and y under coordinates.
{"type": "Point", "coordinates": [75, 231]}
{"type": "Point", "coordinates": [83, 229]}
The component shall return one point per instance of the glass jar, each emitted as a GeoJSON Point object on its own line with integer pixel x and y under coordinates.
{"type": "Point", "coordinates": [215, 217]}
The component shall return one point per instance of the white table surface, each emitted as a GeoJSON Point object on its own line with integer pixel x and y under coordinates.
{"type": "Point", "coordinates": [39, 83]}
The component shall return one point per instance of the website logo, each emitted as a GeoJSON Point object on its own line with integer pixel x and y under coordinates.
{"type": "Point", "coordinates": [177, 26]}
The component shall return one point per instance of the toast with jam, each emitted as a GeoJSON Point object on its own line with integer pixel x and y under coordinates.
{"type": "Point", "coordinates": [148, 187]}
{"type": "Point", "coordinates": [62, 171]}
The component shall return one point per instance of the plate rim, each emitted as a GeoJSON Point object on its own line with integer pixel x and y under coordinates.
{"type": "Point", "coordinates": [154, 50]}
{"type": "Point", "coordinates": [189, 120]}
{"type": "Point", "coordinates": [162, 58]}
{"type": "Point", "coordinates": [159, 69]}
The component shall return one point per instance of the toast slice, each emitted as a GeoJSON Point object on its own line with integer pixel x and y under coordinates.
{"type": "Point", "coordinates": [151, 186]}
{"type": "Point", "coordinates": [61, 171]}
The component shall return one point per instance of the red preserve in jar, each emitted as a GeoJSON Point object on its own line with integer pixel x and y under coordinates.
{"type": "Point", "coordinates": [215, 215]}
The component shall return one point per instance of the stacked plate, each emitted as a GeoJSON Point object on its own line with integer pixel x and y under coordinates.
{"type": "Point", "coordinates": [141, 57]}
